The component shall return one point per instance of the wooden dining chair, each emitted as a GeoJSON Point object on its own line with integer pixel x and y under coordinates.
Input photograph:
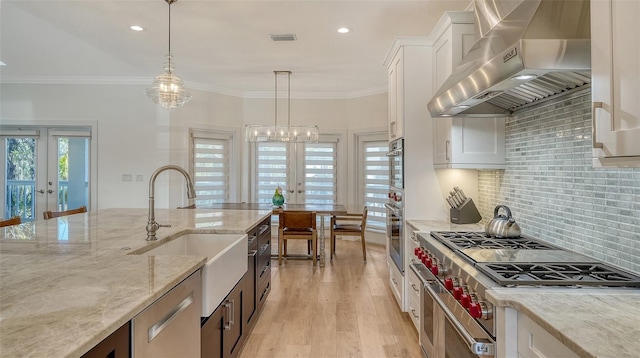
{"type": "Point", "coordinates": [297, 225]}
{"type": "Point", "coordinates": [12, 221]}
{"type": "Point", "coordinates": [349, 225]}
{"type": "Point", "coordinates": [54, 214]}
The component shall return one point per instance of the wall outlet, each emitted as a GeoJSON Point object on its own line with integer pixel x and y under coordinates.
{"type": "Point", "coordinates": [139, 177]}
{"type": "Point", "coordinates": [127, 177]}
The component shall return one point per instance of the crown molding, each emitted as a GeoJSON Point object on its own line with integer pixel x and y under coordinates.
{"type": "Point", "coordinates": [145, 81]}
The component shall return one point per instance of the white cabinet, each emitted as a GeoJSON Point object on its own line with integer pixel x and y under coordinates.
{"type": "Point", "coordinates": [615, 61]}
{"type": "Point", "coordinates": [469, 143]}
{"type": "Point", "coordinates": [413, 301]}
{"type": "Point", "coordinates": [397, 284]}
{"type": "Point", "coordinates": [535, 342]}
{"type": "Point", "coordinates": [454, 37]}
{"type": "Point", "coordinates": [396, 96]}
{"type": "Point", "coordinates": [460, 142]}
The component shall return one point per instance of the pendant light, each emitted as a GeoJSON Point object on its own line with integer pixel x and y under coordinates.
{"type": "Point", "coordinates": [275, 133]}
{"type": "Point", "coordinates": [167, 89]}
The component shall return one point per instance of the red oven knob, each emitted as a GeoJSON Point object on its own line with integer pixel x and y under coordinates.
{"type": "Point", "coordinates": [448, 284]}
{"type": "Point", "coordinates": [465, 300]}
{"type": "Point", "coordinates": [435, 269]}
{"type": "Point", "coordinates": [426, 260]}
{"type": "Point", "coordinates": [457, 293]}
{"type": "Point", "coordinates": [417, 252]}
{"type": "Point", "coordinates": [475, 310]}
{"type": "Point", "coordinates": [480, 310]}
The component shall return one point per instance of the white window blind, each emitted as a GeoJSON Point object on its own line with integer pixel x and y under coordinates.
{"type": "Point", "coordinates": [375, 181]}
{"type": "Point", "coordinates": [272, 159]}
{"type": "Point", "coordinates": [320, 172]}
{"type": "Point", "coordinates": [211, 167]}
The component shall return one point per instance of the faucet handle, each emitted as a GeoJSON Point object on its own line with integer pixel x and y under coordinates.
{"type": "Point", "coordinates": [161, 225]}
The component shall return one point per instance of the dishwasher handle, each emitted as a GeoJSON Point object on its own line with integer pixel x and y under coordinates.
{"type": "Point", "coordinates": [155, 330]}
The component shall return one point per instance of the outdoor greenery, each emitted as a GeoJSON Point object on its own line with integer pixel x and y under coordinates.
{"type": "Point", "coordinates": [21, 166]}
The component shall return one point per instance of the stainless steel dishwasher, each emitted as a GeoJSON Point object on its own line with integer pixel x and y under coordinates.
{"type": "Point", "coordinates": [170, 327]}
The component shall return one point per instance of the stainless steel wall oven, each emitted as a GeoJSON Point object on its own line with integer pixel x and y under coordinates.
{"type": "Point", "coordinates": [396, 164]}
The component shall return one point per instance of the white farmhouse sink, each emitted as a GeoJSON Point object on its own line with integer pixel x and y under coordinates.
{"type": "Point", "coordinates": [226, 262]}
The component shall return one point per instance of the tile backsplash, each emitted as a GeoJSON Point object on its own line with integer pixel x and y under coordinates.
{"type": "Point", "coordinates": [553, 191]}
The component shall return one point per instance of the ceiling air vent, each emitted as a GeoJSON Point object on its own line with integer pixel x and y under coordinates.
{"type": "Point", "coordinates": [283, 37]}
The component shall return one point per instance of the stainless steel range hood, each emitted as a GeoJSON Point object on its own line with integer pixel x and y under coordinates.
{"type": "Point", "coordinates": [529, 50]}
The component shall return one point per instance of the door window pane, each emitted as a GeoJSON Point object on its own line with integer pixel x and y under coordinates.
{"type": "Point", "coordinates": [320, 171]}
{"type": "Point", "coordinates": [272, 160]}
{"type": "Point", "coordinates": [72, 172]}
{"type": "Point", "coordinates": [20, 177]}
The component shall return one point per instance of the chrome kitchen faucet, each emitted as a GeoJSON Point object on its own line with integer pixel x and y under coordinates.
{"type": "Point", "coordinates": [152, 225]}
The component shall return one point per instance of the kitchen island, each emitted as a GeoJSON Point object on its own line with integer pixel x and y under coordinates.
{"type": "Point", "coordinates": [68, 283]}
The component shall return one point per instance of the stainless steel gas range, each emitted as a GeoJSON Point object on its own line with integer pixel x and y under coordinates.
{"type": "Point", "coordinates": [457, 268]}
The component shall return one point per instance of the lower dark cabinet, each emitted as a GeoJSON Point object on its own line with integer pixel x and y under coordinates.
{"type": "Point", "coordinates": [223, 333]}
{"type": "Point", "coordinates": [117, 345]}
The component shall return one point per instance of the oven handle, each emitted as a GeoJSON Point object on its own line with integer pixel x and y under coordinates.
{"type": "Point", "coordinates": [479, 348]}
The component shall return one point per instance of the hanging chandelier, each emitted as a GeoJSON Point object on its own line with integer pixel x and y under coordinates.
{"type": "Point", "coordinates": [282, 133]}
{"type": "Point", "coordinates": [167, 89]}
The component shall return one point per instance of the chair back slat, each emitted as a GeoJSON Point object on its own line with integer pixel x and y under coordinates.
{"type": "Point", "coordinates": [12, 221]}
{"type": "Point", "coordinates": [54, 214]}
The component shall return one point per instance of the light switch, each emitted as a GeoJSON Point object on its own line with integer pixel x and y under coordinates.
{"type": "Point", "coordinates": [127, 177]}
{"type": "Point", "coordinates": [139, 177]}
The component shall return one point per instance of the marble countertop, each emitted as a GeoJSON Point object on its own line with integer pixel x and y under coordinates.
{"type": "Point", "coordinates": [68, 283]}
{"type": "Point", "coordinates": [592, 322]}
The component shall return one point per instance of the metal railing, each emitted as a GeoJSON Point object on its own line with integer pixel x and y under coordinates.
{"type": "Point", "coordinates": [20, 198]}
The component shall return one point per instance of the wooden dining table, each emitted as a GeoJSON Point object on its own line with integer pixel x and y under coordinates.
{"type": "Point", "coordinates": [321, 210]}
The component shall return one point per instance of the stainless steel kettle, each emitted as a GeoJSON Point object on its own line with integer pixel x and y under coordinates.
{"type": "Point", "coordinates": [502, 226]}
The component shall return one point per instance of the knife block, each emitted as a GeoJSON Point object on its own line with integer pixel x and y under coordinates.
{"type": "Point", "coordinates": [466, 213]}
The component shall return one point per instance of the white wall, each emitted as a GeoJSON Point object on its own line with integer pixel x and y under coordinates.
{"type": "Point", "coordinates": [133, 133]}
{"type": "Point", "coordinates": [135, 136]}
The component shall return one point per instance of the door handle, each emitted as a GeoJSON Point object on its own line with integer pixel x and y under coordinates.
{"type": "Point", "coordinates": [41, 191]}
{"type": "Point", "coordinates": [299, 191]}
{"type": "Point", "coordinates": [291, 191]}
{"type": "Point", "coordinates": [49, 191]}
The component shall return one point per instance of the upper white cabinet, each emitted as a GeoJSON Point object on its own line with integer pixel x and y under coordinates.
{"type": "Point", "coordinates": [453, 38]}
{"type": "Point", "coordinates": [615, 62]}
{"type": "Point", "coordinates": [469, 143]}
{"type": "Point", "coordinates": [396, 95]}
{"type": "Point", "coordinates": [462, 142]}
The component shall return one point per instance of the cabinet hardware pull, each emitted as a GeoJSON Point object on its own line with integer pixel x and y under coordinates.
{"type": "Point", "coordinates": [264, 270]}
{"type": "Point", "coordinates": [413, 285]}
{"type": "Point", "coordinates": [595, 143]}
{"type": "Point", "coordinates": [164, 322]}
{"type": "Point", "coordinates": [395, 282]}
{"type": "Point", "coordinates": [413, 312]}
{"type": "Point", "coordinates": [227, 325]}
{"type": "Point", "coordinates": [252, 253]}
{"type": "Point", "coordinates": [447, 143]}
{"type": "Point", "coordinates": [263, 248]}
{"type": "Point", "coordinates": [263, 228]}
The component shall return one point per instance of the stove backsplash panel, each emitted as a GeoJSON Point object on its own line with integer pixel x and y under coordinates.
{"type": "Point", "coordinates": [553, 191]}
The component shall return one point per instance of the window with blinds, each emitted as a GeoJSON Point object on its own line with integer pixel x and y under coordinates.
{"type": "Point", "coordinates": [211, 153]}
{"type": "Point", "coordinates": [374, 181]}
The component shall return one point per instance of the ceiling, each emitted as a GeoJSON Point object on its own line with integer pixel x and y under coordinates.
{"type": "Point", "coordinates": [220, 46]}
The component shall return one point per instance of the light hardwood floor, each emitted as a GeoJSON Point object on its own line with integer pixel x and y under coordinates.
{"type": "Point", "coordinates": [345, 309]}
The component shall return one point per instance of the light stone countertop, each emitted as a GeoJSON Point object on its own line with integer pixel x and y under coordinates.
{"type": "Point", "coordinates": [68, 283]}
{"type": "Point", "coordinates": [593, 322]}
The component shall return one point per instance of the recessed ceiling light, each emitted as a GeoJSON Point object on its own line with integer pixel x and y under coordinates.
{"type": "Point", "coordinates": [136, 28]}
{"type": "Point", "coordinates": [343, 30]}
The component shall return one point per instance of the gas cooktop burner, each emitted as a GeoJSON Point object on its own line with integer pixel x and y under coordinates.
{"type": "Point", "coordinates": [472, 240]}
{"type": "Point", "coordinates": [561, 274]}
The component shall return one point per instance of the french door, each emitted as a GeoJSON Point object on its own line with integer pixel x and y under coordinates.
{"type": "Point", "coordinates": [44, 168]}
{"type": "Point", "coordinates": [306, 172]}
